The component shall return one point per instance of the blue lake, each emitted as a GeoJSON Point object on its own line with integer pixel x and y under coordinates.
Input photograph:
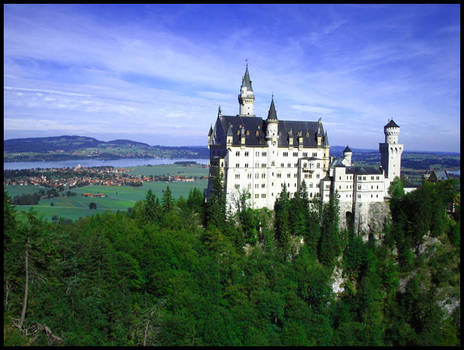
{"type": "Point", "coordinates": [117, 163]}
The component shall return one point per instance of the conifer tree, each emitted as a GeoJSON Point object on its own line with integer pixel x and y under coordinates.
{"type": "Point", "coordinates": [167, 203]}
{"type": "Point", "coordinates": [215, 206]}
{"type": "Point", "coordinates": [282, 216]}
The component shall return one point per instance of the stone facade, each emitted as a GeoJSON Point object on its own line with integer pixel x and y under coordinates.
{"type": "Point", "coordinates": [261, 156]}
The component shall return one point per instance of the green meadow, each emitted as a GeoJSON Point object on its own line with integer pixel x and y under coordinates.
{"type": "Point", "coordinates": [116, 197]}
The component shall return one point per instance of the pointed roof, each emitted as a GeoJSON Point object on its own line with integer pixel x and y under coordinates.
{"type": "Point", "coordinates": [326, 139]}
{"type": "Point", "coordinates": [219, 110]}
{"type": "Point", "coordinates": [246, 79]}
{"type": "Point", "coordinates": [229, 131]}
{"type": "Point", "coordinates": [391, 124]}
{"type": "Point", "coordinates": [272, 114]}
{"type": "Point", "coordinates": [347, 149]}
{"type": "Point", "coordinates": [210, 130]}
{"type": "Point", "coordinates": [319, 127]}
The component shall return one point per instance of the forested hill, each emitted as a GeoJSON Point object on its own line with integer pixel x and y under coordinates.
{"type": "Point", "coordinates": [78, 147]}
{"type": "Point", "coordinates": [185, 272]}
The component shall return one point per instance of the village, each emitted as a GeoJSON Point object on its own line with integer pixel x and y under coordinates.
{"type": "Point", "coordinates": [66, 178]}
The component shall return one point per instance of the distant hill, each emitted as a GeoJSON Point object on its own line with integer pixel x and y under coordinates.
{"type": "Point", "coordinates": [82, 147]}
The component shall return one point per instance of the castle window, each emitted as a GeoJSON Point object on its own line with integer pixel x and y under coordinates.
{"type": "Point", "coordinates": [318, 165]}
{"type": "Point", "coordinates": [281, 165]}
{"type": "Point", "coordinates": [249, 176]}
{"type": "Point", "coordinates": [307, 134]}
{"type": "Point", "coordinates": [359, 187]}
{"type": "Point", "coordinates": [295, 154]}
{"type": "Point", "coordinates": [263, 195]}
{"type": "Point", "coordinates": [263, 185]}
{"type": "Point", "coordinates": [372, 196]}
{"type": "Point", "coordinates": [359, 196]}
{"type": "Point", "coordinates": [289, 165]}
{"type": "Point", "coordinates": [264, 154]}
{"type": "Point", "coordinates": [305, 165]}
{"type": "Point", "coordinates": [256, 195]}
{"type": "Point", "coordinates": [263, 176]}
{"type": "Point", "coordinates": [285, 154]}
{"type": "Point", "coordinates": [359, 177]}
{"type": "Point", "coordinates": [272, 163]}
{"type": "Point", "coordinates": [295, 175]}
{"type": "Point", "coordinates": [237, 153]}
{"type": "Point", "coordinates": [339, 177]}
{"type": "Point", "coordinates": [364, 178]}
{"type": "Point", "coordinates": [340, 187]}
{"type": "Point", "coordinates": [248, 132]}
{"type": "Point", "coordinates": [289, 175]}
{"type": "Point", "coordinates": [372, 187]}
{"type": "Point", "coordinates": [256, 176]}
{"type": "Point", "coordinates": [314, 154]}
{"type": "Point", "coordinates": [294, 184]}
{"type": "Point", "coordinates": [257, 154]}
{"type": "Point", "coordinates": [237, 176]}
{"type": "Point", "coordinates": [256, 165]}
{"type": "Point", "coordinates": [296, 164]}
{"type": "Point", "coordinates": [237, 187]}
{"type": "Point", "coordinates": [311, 185]}
{"type": "Point", "coordinates": [257, 133]}
{"type": "Point", "coordinates": [246, 165]}
{"type": "Point", "coordinates": [377, 195]}
{"type": "Point", "coordinates": [238, 132]}
{"type": "Point", "coordinates": [246, 154]}
{"type": "Point", "coordinates": [305, 154]}
{"type": "Point", "coordinates": [377, 187]}
{"type": "Point", "coordinates": [256, 185]}
{"type": "Point", "coordinates": [249, 186]}
{"type": "Point", "coordinates": [377, 177]}
{"type": "Point", "coordinates": [306, 176]}
{"type": "Point", "coordinates": [263, 165]}
{"type": "Point", "coordinates": [279, 175]}
{"type": "Point", "coordinates": [372, 178]}
{"type": "Point", "coordinates": [237, 165]}
{"type": "Point", "coordinates": [311, 195]}
{"type": "Point", "coordinates": [317, 176]}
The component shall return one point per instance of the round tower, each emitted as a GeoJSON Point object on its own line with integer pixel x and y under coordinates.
{"type": "Point", "coordinates": [347, 154]}
{"type": "Point", "coordinates": [272, 125]}
{"type": "Point", "coordinates": [390, 151]}
{"type": "Point", "coordinates": [246, 98]}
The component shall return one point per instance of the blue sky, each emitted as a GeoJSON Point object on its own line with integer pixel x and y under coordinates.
{"type": "Point", "coordinates": [157, 73]}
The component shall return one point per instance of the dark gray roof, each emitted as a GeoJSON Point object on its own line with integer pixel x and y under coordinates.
{"type": "Point", "coordinates": [361, 170]}
{"type": "Point", "coordinates": [255, 131]}
{"type": "Point", "coordinates": [246, 79]}
{"type": "Point", "coordinates": [347, 149]}
{"type": "Point", "coordinates": [272, 114]}
{"type": "Point", "coordinates": [326, 139]}
{"type": "Point", "coordinates": [337, 163]}
{"type": "Point", "coordinates": [391, 124]}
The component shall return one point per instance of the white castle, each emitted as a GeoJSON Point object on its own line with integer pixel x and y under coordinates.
{"type": "Point", "coordinates": [259, 156]}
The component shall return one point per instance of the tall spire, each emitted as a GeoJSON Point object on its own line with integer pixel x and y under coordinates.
{"type": "Point", "coordinates": [246, 79]}
{"type": "Point", "coordinates": [272, 114]}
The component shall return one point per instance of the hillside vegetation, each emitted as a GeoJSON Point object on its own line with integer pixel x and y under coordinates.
{"type": "Point", "coordinates": [186, 272]}
{"type": "Point", "coordinates": [80, 147]}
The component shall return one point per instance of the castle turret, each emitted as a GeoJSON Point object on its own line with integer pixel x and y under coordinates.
{"type": "Point", "coordinates": [390, 151]}
{"type": "Point", "coordinates": [272, 125]}
{"type": "Point", "coordinates": [347, 153]}
{"type": "Point", "coordinates": [246, 98]}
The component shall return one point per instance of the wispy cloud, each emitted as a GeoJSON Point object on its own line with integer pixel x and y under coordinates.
{"type": "Point", "coordinates": [155, 67]}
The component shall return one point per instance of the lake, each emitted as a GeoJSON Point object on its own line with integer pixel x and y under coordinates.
{"type": "Point", "coordinates": [117, 163]}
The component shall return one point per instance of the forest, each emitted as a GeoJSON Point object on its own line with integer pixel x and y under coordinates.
{"type": "Point", "coordinates": [188, 272]}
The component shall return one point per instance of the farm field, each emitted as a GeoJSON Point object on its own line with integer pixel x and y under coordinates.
{"type": "Point", "coordinates": [116, 197]}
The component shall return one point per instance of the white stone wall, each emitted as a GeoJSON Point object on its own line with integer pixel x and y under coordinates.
{"type": "Point", "coordinates": [263, 171]}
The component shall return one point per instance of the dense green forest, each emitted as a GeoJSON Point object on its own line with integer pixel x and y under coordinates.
{"type": "Point", "coordinates": [186, 272]}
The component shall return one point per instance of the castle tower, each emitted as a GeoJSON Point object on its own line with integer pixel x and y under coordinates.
{"type": "Point", "coordinates": [272, 126]}
{"type": "Point", "coordinates": [347, 154]}
{"type": "Point", "coordinates": [390, 151]}
{"type": "Point", "coordinates": [246, 98]}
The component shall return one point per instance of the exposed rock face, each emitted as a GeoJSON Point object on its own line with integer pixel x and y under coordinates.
{"type": "Point", "coordinates": [367, 217]}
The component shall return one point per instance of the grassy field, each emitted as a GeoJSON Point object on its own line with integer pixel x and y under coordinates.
{"type": "Point", "coordinates": [171, 169]}
{"type": "Point", "coordinates": [117, 197]}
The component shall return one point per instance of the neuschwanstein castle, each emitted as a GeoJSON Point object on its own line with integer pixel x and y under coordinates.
{"type": "Point", "coordinates": [261, 155]}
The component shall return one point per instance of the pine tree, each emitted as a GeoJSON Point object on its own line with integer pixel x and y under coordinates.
{"type": "Point", "coordinates": [215, 206]}
{"type": "Point", "coordinates": [282, 217]}
{"type": "Point", "coordinates": [167, 203]}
